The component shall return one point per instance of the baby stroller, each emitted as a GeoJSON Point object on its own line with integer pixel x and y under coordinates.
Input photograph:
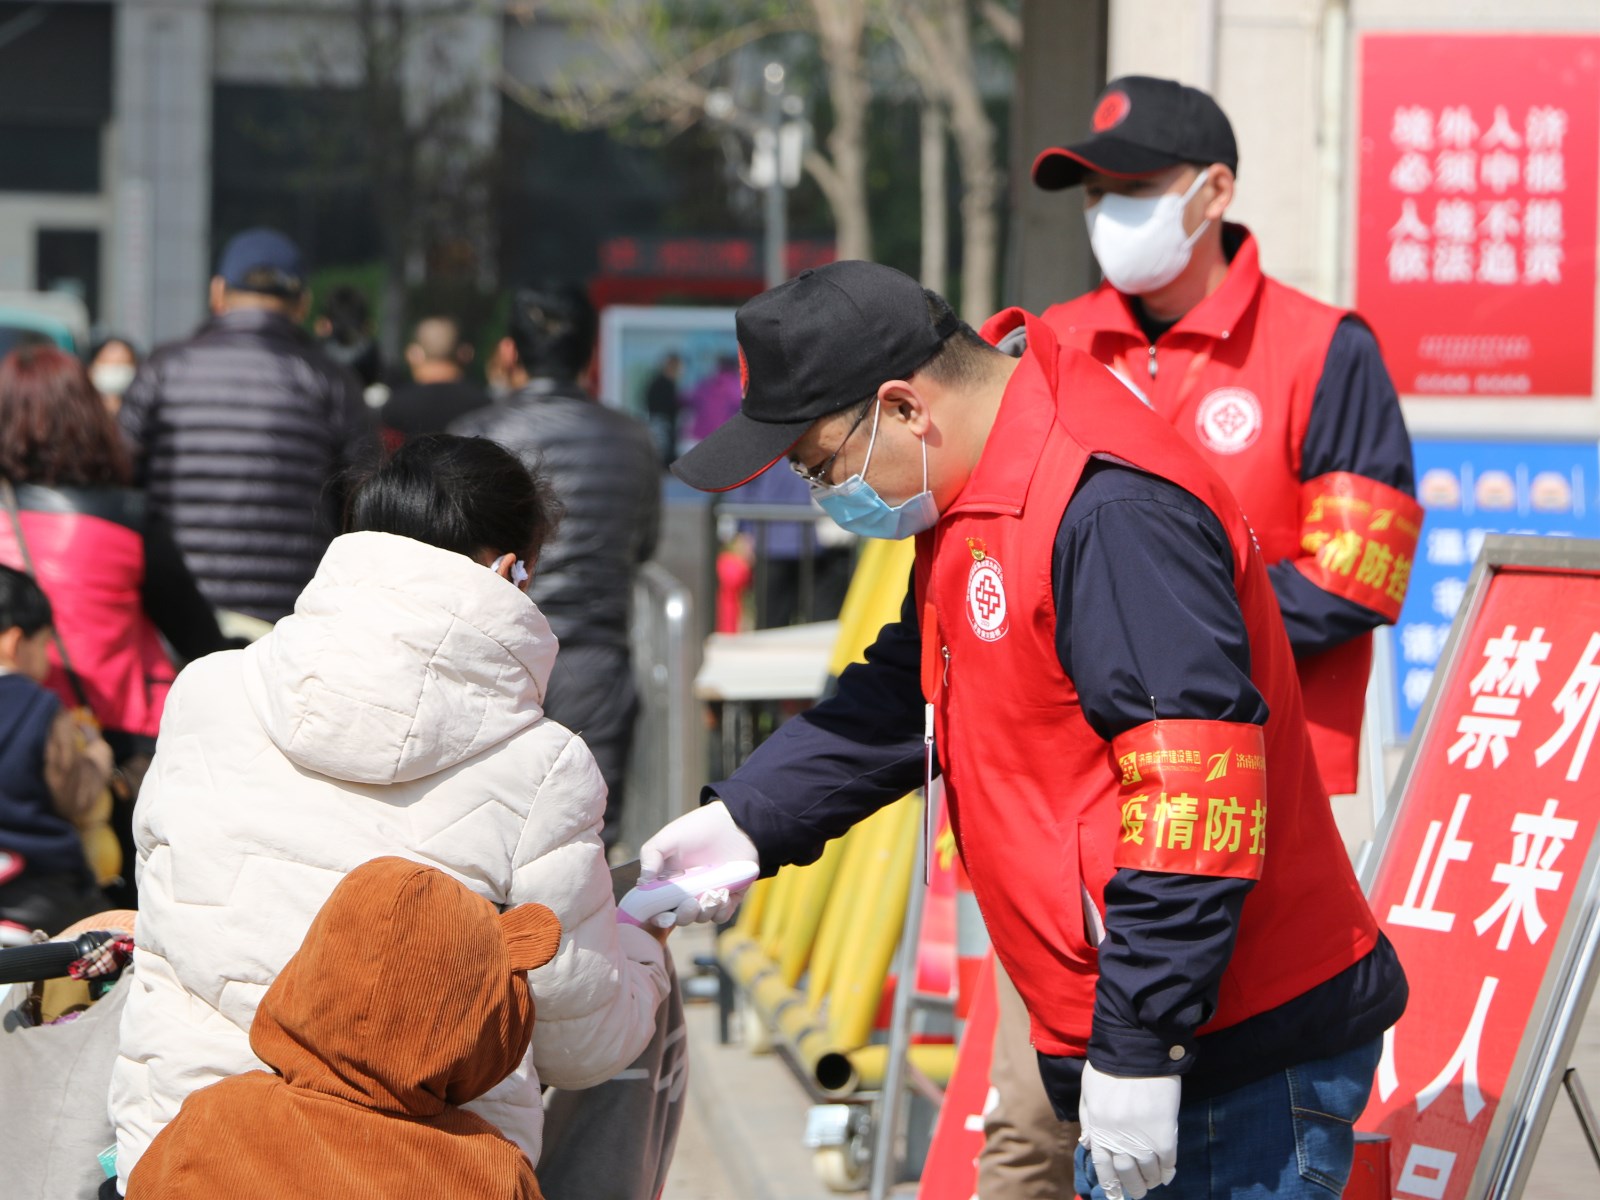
{"type": "Point", "coordinates": [60, 1005]}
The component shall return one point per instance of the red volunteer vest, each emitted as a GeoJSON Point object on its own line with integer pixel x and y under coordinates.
{"type": "Point", "coordinates": [92, 569]}
{"type": "Point", "coordinates": [1043, 809]}
{"type": "Point", "coordinates": [1236, 377]}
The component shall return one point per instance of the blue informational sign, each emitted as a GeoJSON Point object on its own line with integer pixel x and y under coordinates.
{"type": "Point", "coordinates": [1470, 489]}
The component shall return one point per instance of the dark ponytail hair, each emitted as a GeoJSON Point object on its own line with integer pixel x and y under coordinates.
{"type": "Point", "coordinates": [469, 495]}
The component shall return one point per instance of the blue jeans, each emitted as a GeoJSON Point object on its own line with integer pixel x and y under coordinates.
{"type": "Point", "coordinates": [1289, 1136]}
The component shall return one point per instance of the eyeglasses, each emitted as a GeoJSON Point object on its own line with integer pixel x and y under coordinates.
{"type": "Point", "coordinates": [817, 476]}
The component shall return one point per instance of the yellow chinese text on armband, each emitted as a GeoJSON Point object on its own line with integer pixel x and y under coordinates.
{"type": "Point", "coordinates": [1193, 797]}
{"type": "Point", "coordinates": [1359, 539]}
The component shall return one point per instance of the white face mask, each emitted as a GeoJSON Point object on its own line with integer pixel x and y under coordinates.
{"type": "Point", "coordinates": [111, 379]}
{"type": "Point", "coordinates": [1139, 241]}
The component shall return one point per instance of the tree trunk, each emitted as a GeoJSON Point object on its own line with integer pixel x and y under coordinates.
{"type": "Point", "coordinates": [980, 218]}
{"type": "Point", "coordinates": [980, 176]}
{"type": "Point", "coordinates": [935, 203]}
{"type": "Point", "coordinates": [840, 26]}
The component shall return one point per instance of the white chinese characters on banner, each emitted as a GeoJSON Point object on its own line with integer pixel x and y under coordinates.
{"type": "Point", "coordinates": [1464, 1061]}
{"type": "Point", "coordinates": [1424, 915]}
{"type": "Point", "coordinates": [1539, 840]}
{"type": "Point", "coordinates": [1476, 229]}
{"type": "Point", "coordinates": [1509, 675]}
{"type": "Point", "coordinates": [1575, 703]}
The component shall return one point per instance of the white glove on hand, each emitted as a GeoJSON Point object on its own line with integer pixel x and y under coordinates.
{"type": "Point", "coordinates": [1130, 1128]}
{"type": "Point", "coordinates": [707, 837]}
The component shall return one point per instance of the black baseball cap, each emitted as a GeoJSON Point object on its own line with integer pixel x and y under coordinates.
{"type": "Point", "coordinates": [819, 343]}
{"type": "Point", "coordinates": [1140, 126]}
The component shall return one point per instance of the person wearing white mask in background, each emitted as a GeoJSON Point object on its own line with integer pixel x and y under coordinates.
{"type": "Point", "coordinates": [1287, 398]}
{"type": "Point", "coordinates": [112, 363]}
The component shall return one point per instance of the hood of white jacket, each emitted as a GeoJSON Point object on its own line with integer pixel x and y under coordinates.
{"type": "Point", "coordinates": [399, 661]}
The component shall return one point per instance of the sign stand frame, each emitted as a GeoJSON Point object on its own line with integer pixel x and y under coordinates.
{"type": "Point", "coordinates": [1586, 1117]}
{"type": "Point", "coordinates": [1541, 1064]}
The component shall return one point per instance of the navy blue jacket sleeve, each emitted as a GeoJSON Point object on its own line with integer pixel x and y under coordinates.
{"type": "Point", "coordinates": [842, 760]}
{"type": "Point", "coordinates": [1143, 570]}
{"type": "Point", "coordinates": [1148, 626]}
{"type": "Point", "coordinates": [1355, 426]}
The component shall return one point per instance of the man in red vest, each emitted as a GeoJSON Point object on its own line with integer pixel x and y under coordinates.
{"type": "Point", "coordinates": [1091, 648]}
{"type": "Point", "coordinates": [1285, 397]}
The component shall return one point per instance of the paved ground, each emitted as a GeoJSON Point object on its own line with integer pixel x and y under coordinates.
{"type": "Point", "coordinates": [746, 1114]}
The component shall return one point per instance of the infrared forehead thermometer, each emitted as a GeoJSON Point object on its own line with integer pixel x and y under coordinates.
{"type": "Point", "coordinates": [660, 896]}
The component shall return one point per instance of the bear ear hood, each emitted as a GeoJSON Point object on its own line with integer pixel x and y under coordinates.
{"type": "Point", "coordinates": [399, 661]}
{"type": "Point", "coordinates": [409, 993]}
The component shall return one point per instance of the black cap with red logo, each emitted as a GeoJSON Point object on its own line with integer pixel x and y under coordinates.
{"type": "Point", "coordinates": [1140, 126]}
{"type": "Point", "coordinates": [817, 344]}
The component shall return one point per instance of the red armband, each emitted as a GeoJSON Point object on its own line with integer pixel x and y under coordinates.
{"type": "Point", "coordinates": [1194, 798]}
{"type": "Point", "coordinates": [1360, 539]}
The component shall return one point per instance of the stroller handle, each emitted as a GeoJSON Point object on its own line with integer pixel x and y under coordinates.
{"type": "Point", "coordinates": [47, 960]}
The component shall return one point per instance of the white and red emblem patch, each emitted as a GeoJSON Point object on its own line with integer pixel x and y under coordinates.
{"type": "Point", "coordinates": [1229, 420]}
{"type": "Point", "coordinates": [986, 599]}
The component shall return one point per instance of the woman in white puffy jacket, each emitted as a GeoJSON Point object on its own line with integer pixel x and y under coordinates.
{"type": "Point", "coordinates": [397, 711]}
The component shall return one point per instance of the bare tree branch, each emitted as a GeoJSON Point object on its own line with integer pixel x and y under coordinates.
{"type": "Point", "coordinates": [1004, 23]}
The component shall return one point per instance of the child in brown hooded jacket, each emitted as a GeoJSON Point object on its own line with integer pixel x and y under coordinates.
{"type": "Point", "coordinates": [408, 998]}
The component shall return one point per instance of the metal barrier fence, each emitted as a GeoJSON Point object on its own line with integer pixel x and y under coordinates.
{"type": "Point", "coordinates": [668, 762]}
{"type": "Point", "coordinates": [805, 571]}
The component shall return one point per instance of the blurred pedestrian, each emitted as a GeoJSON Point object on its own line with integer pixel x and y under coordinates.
{"type": "Point", "coordinates": [397, 711]}
{"type": "Point", "coordinates": [53, 769]}
{"type": "Point", "coordinates": [605, 471]}
{"type": "Point", "coordinates": [662, 403]}
{"type": "Point", "coordinates": [715, 399]}
{"type": "Point", "coordinates": [439, 391]}
{"type": "Point", "coordinates": [366, 1083]}
{"type": "Point", "coordinates": [344, 328]}
{"type": "Point", "coordinates": [240, 433]}
{"type": "Point", "coordinates": [113, 362]}
{"type": "Point", "coordinates": [109, 564]}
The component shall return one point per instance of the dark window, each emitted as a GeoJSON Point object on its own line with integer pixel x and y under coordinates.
{"type": "Point", "coordinates": [49, 158]}
{"type": "Point", "coordinates": [55, 63]}
{"type": "Point", "coordinates": [293, 158]}
{"type": "Point", "coordinates": [69, 260]}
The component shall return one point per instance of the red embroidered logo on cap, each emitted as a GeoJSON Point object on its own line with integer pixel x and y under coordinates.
{"type": "Point", "coordinates": [744, 375]}
{"type": "Point", "coordinates": [1112, 109]}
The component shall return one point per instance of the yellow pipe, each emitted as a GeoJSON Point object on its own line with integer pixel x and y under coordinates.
{"type": "Point", "coordinates": [858, 986]}
{"type": "Point", "coordinates": [838, 916]}
{"type": "Point", "coordinates": [754, 906]}
{"type": "Point", "coordinates": [841, 932]}
{"type": "Point", "coordinates": [809, 902]}
{"type": "Point", "coordinates": [742, 958]}
{"type": "Point", "coordinates": [936, 1060]}
{"type": "Point", "coordinates": [827, 1049]}
{"type": "Point", "coordinates": [778, 911]}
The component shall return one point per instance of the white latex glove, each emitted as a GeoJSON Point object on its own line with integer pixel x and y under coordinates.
{"type": "Point", "coordinates": [1130, 1128]}
{"type": "Point", "coordinates": [707, 837]}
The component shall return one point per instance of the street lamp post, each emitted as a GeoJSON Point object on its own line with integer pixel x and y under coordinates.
{"type": "Point", "coordinates": [777, 206]}
{"type": "Point", "coordinates": [778, 145]}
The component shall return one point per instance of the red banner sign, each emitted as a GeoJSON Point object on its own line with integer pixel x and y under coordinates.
{"type": "Point", "coordinates": [951, 1170]}
{"type": "Point", "coordinates": [1479, 869]}
{"type": "Point", "coordinates": [1475, 243]}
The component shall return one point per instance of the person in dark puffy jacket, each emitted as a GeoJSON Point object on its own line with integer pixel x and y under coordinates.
{"type": "Point", "coordinates": [240, 432]}
{"type": "Point", "coordinates": [604, 467]}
